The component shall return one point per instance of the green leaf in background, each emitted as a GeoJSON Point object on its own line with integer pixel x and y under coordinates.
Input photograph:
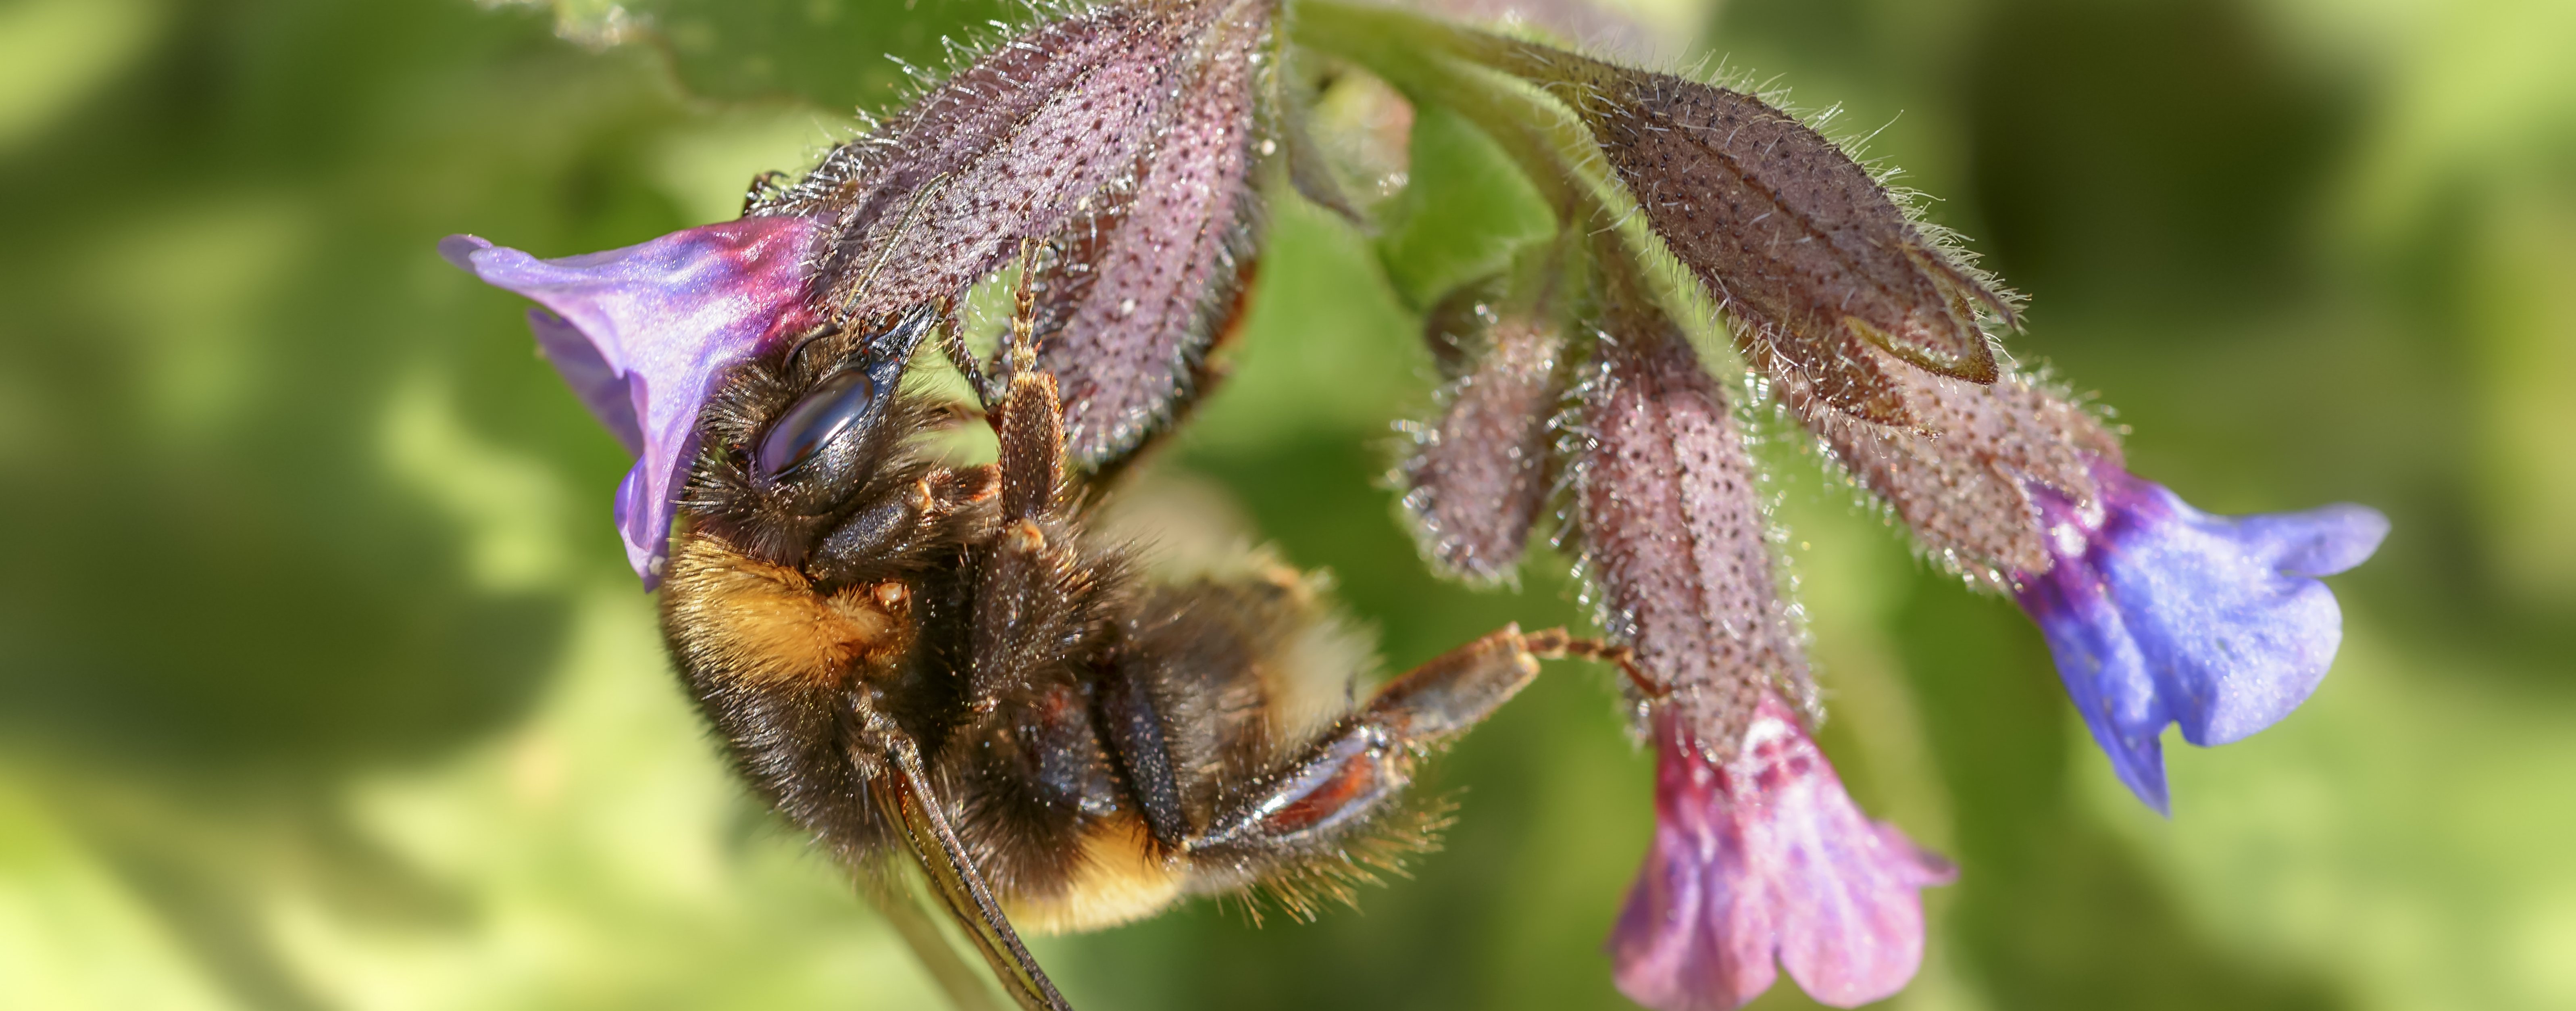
{"type": "Point", "coordinates": [1466, 211]}
{"type": "Point", "coordinates": [837, 54]}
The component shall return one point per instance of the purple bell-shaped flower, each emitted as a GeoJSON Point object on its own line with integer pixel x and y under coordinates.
{"type": "Point", "coordinates": [1764, 856]}
{"type": "Point", "coordinates": [642, 333]}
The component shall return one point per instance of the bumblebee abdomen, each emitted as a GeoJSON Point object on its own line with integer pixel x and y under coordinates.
{"type": "Point", "coordinates": [1118, 875]}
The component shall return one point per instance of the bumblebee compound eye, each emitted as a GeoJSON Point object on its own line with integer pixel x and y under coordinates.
{"type": "Point", "coordinates": [826, 444]}
{"type": "Point", "coordinates": [828, 414]}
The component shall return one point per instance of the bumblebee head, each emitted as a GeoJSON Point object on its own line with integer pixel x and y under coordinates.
{"type": "Point", "coordinates": [808, 444]}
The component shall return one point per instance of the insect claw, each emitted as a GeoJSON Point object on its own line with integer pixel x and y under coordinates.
{"type": "Point", "coordinates": [1024, 346]}
{"type": "Point", "coordinates": [1555, 644]}
{"type": "Point", "coordinates": [952, 345]}
{"type": "Point", "coordinates": [763, 187]}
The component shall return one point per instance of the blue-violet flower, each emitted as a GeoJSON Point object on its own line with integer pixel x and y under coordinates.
{"type": "Point", "coordinates": [2159, 613]}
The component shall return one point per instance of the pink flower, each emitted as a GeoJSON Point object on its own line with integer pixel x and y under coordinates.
{"type": "Point", "coordinates": [1765, 856]}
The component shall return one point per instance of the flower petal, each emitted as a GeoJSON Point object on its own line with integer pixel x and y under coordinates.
{"type": "Point", "coordinates": [1843, 889]}
{"type": "Point", "coordinates": [592, 379]}
{"type": "Point", "coordinates": [1694, 935]}
{"type": "Point", "coordinates": [642, 334]}
{"type": "Point", "coordinates": [1768, 854]}
{"type": "Point", "coordinates": [2159, 613]}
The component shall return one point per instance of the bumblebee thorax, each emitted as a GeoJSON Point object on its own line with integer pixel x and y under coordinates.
{"type": "Point", "coordinates": [739, 618]}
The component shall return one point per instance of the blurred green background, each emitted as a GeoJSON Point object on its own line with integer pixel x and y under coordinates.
{"type": "Point", "coordinates": [323, 683]}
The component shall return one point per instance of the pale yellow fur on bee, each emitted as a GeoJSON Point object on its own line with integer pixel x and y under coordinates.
{"type": "Point", "coordinates": [765, 623]}
{"type": "Point", "coordinates": [1120, 878]}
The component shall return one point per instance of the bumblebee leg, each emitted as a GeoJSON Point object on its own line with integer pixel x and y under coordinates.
{"type": "Point", "coordinates": [889, 889]}
{"type": "Point", "coordinates": [1554, 644]}
{"type": "Point", "coordinates": [1368, 756]}
{"type": "Point", "coordinates": [1137, 745]}
{"type": "Point", "coordinates": [1030, 425]}
{"type": "Point", "coordinates": [952, 345]}
{"type": "Point", "coordinates": [1035, 599]}
{"type": "Point", "coordinates": [763, 186]}
{"type": "Point", "coordinates": [905, 796]}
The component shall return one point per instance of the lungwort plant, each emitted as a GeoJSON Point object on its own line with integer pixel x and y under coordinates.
{"type": "Point", "coordinates": [1713, 262]}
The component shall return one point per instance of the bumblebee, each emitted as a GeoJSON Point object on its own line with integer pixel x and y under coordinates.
{"type": "Point", "coordinates": [911, 656]}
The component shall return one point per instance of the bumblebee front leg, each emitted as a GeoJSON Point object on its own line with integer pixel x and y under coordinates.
{"type": "Point", "coordinates": [1030, 424]}
{"type": "Point", "coordinates": [1038, 592]}
{"type": "Point", "coordinates": [952, 345]}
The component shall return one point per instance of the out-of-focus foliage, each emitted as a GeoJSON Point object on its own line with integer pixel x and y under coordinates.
{"type": "Point", "coordinates": [326, 686]}
{"type": "Point", "coordinates": [832, 54]}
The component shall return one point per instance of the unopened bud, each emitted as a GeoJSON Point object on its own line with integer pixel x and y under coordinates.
{"type": "Point", "coordinates": [1152, 274]}
{"type": "Point", "coordinates": [1814, 259]}
{"type": "Point", "coordinates": [1120, 138]}
{"type": "Point", "coordinates": [1674, 533]}
{"type": "Point", "coordinates": [1478, 475]}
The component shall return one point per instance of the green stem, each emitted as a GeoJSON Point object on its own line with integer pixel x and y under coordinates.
{"type": "Point", "coordinates": [1490, 80]}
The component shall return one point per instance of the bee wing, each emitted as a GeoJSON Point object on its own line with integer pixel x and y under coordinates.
{"type": "Point", "coordinates": [908, 802]}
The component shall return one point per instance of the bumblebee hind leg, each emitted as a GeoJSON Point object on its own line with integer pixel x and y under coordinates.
{"type": "Point", "coordinates": [1310, 826]}
{"type": "Point", "coordinates": [1361, 762]}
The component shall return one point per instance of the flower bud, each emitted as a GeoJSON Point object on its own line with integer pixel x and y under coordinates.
{"type": "Point", "coordinates": [1151, 277]}
{"type": "Point", "coordinates": [1675, 535]}
{"type": "Point", "coordinates": [1813, 258]}
{"type": "Point", "coordinates": [1122, 137]}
